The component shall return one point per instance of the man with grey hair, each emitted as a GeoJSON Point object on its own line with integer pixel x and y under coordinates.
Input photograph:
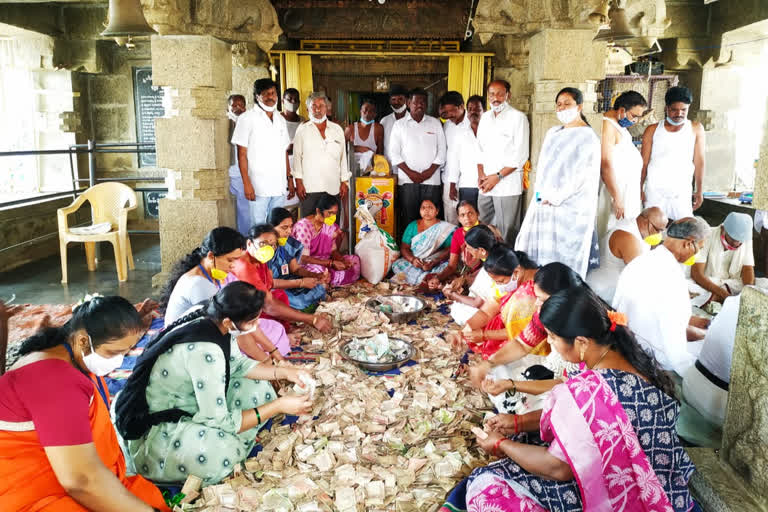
{"type": "Point", "coordinates": [319, 156]}
{"type": "Point", "coordinates": [652, 291]}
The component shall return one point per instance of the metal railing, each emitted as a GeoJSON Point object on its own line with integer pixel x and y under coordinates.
{"type": "Point", "coordinates": [91, 148]}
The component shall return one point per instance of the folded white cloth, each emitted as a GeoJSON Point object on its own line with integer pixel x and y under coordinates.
{"type": "Point", "coordinates": [93, 229]}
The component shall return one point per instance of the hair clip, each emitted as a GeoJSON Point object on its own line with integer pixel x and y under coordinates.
{"type": "Point", "coordinates": [617, 318]}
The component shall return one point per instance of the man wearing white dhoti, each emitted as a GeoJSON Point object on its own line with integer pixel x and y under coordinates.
{"type": "Point", "coordinates": [727, 263]}
{"type": "Point", "coordinates": [653, 293]}
{"type": "Point", "coordinates": [626, 241]}
{"type": "Point", "coordinates": [673, 157]}
{"type": "Point", "coordinates": [621, 164]}
{"type": "Point", "coordinates": [560, 222]}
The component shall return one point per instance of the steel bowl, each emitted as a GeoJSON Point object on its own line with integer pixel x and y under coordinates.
{"type": "Point", "coordinates": [416, 304]}
{"type": "Point", "coordinates": [378, 367]}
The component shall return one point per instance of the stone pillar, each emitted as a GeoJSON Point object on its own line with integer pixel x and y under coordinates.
{"type": "Point", "coordinates": [192, 140]}
{"type": "Point", "coordinates": [735, 478]}
{"type": "Point", "coordinates": [561, 58]}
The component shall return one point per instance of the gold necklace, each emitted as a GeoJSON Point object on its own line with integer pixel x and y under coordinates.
{"type": "Point", "coordinates": [601, 358]}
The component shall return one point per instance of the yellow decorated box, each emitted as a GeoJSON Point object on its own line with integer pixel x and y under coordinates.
{"type": "Point", "coordinates": [378, 194]}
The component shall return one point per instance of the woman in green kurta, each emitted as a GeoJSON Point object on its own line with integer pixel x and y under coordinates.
{"type": "Point", "coordinates": [194, 402]}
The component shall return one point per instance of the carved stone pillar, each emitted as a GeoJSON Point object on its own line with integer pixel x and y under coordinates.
{"type": "Point", "coordinates": [736, 477]}
{"type": "Point", "coordinates": [192, 140]}
{"type": "Point", "coordinates": [561, 58]}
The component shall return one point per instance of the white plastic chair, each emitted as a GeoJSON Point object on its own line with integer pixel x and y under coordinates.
{"type": "Point", "coordinates": [110, 202]}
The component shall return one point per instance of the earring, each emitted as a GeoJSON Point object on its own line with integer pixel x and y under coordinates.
{"type": "Point", "coordinates": [581, 354]}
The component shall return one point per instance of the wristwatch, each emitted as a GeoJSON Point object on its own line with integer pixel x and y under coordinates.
{"type": "Point", "coordinates": [501, 176]}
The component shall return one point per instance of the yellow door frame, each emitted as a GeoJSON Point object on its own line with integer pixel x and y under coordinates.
{"type": "Point", "coordinates": [466, 71]}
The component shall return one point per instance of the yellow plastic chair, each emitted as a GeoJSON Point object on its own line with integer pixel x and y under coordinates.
{"type": "Point", "coordinates": [110, 202]}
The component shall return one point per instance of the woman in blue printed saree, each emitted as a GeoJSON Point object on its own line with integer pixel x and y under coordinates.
{"type": "Point", "coordinates": [303, 287]}
{"type": "Point", "coordinates": [608, 440]}
{"type": "Point", "coordinates": [425, 247]}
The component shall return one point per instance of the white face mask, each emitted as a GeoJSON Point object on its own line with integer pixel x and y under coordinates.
{"type": "Point", "coordinates": [499, 108]}
{"type": "Point", "coordinates": [236, 332]}
{"type": "Point", "coordinates": [568, 115]}
{"type": "Point", "coordinates": [503, 289]}
{"type": "Point", "coordinates": [289, 106]}
{"type": "Point", "coordinates": [232, 116]}
{"type": "Point", "coordinates": [399, 110]}
{"type": "Point", "coordinates": [266, 108]}
{"type": "Point", "coordinates": [318, 121]}
{"type": "Point", "coordinates": [100, 365]}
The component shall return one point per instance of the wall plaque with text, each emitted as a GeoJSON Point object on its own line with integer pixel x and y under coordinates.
{"type": "Point", "coordinates": [148, 101]}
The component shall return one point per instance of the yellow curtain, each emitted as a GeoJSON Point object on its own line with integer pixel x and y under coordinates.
{"type": "Point", "coordinates": [466, 74]}
{"type": "Point", "coordinates": [298, 74]}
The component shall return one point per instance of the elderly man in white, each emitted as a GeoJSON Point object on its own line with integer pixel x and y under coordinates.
{"type": "Point", "coordinates": [319, 156]}
{"type": "Point", "coordinates": [503, 136]}
{"type": "Point", "coordinates": [727, 262]}
{"type": "Point", "coordinates": [653, 293]}
{"type": "Point", "coordinates": [628, 239]}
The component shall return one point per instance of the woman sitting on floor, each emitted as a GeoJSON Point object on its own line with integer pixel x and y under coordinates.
{"type": "Point", "coordinates": [480, 240]}
{"type": "Point", "coordinates": [253, 268]}
{"type": "Point", "coordinates": [201, 273]}
{"type": "Point", "coordinates": [508, 315]}
{"type": "Point", "coordinates": [609, 432]}
{"type": "Point", "coordinates": [462, 260]}
{"type": "Point", "coordinates": [194, 403]}
{"type": "Point", "coordinates": [505, 385]}
{"type": "Point", "coordinates": [320, 236]}
{"type": "Point", "coordinates": [58, 448]}
{"type": "Point", "coordinates": [424, 248]}
{"type": "Point", "coordinates": [303, 287]}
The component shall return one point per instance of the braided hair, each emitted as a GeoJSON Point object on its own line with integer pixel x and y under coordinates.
{"type": "Point", "coordinates": [578, 311]}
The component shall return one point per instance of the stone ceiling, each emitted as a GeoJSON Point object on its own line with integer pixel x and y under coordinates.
{"type": "Point", "coordinates": [368, 19]}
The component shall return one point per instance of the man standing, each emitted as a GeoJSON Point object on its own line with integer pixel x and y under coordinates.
{"type": "Point", "coordinates": [262, 142]}
{"type": "Point", "coordinates": [319, 156]}
{"type": "Point", "coordinates": [456, 122]}
{"type": "Point", "coordinates": [236, 106]}
{"type": "Point", "coordinates": [726, 264]}
{"type": "Point", "coordinates": [673, 157]}
{"type": "Point", "coordinates": [503, 136]}
{"type": "Point", "coordinates": [653, 293]}
{"type": "Point", "coordinates": [366, 135]}
{"type": "Point", "coordinates": [397, 99]}
{"type": "Point", "coordinates": [292, 121]}
{"type": "Point", "coordinates": [418, 151]}
{"type": "Point", "coordinates": [464, 154]}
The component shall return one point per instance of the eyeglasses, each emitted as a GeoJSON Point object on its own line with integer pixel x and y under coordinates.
{"type": "Point", "coordinates": [654, 226]}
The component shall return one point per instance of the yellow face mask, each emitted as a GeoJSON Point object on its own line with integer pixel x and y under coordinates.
{"type": "Point", "coordinates": [690, 261]}
{"type": "Point", "coordinates": [264, 253]}
{"type": "Point", "coordinates": [653, 239]}
{"type": "Point", "coordinates": [473, 225]}
{"type": "Point", "coordinates": [282, 241]}
{"type": "Point", "coordinates": [218, 275]}
{"type": "Point", "coordinates": [330, 220]}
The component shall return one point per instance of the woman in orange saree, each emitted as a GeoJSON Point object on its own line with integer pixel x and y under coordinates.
{"type": "Point", "coordinates": [58, 448]}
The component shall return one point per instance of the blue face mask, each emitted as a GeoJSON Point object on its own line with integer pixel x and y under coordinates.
{"type": "Point", "coordinates": [625, 123]}
{"type": "Point", "coordinates": [366, 123]}
{"type": "Point", "coordinates": [675, 123]}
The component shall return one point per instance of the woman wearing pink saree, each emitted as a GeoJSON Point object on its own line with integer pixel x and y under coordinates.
{"type": "Point", "coordinates": [320, 235]}
{"type": "Point", "coordinates": [608, 440]}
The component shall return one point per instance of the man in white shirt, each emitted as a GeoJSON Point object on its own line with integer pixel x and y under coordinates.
{"type": "Point", "coordinates": [398, 96]}
{"type": "Point", "coordinates": [653, 293]}
{"type": "Point", "coordinates": [262, 142]}
{"type": "Point", "coordinates": [236, 106]}
{"type": "Point", "coordinates": [727, 263]}
{"type": "Point", "coordinates": [463, 154]}
{"type": "Point", "coordinates": [673, 157]}
{"type": "Point", "coordinates": [418, 152]}
{"type": "Point", "coordinates": [319, 156]}
{"type": "Point", "coordinates": [292, 121]}
{"type": "Point", "coordinates": [628, 239]}
{"type": "Point", "coordinates": [503, 136]}
{"type": "Point", "coordinates": [453, 113]}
